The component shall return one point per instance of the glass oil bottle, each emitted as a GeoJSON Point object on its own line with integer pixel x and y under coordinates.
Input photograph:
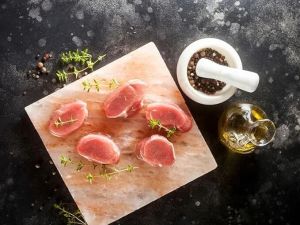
{"type": "Point", "coordinates": [242, 127]}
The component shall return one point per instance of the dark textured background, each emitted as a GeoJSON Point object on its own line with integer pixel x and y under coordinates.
{"type": "Point", "coordinates": [259, 188]}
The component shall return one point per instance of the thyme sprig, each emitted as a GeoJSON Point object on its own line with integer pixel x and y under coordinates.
{"type": "Point", "coordinates": [83, 58]}
{"type": "Point", "coordinates": [60, 122]}
{"type": "Point", "coordinates": [154, 123]}
{"type": "Point", "coordinates": [104, 171]}
{"type": "Point", "coordinates": [108, 173]}
{"type": "Point", "coordinates": [76, 56]}
{"type": "Point", "coordinates": [64, 160]}
{"type": "Point", "coordinates": [72, 218]}
{"type": "Point", "coordinates": [87, 85]}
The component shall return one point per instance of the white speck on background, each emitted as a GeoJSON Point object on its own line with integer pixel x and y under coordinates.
{"type": "Point", "coordinates": [77, 41]}
{"type": "Point", "coordinates": [270, 80]}
{"type": "Point", "coordinates": [211, 6]}
{"type": "Point", "coordinates": [45, 92]}
{"type": "Point", "coordinates": [147, 18]}
{"type": "Point", "coordinates": [149, 10]}
{"type": "Point", "coordinates": [297, 127]}
{"type": "Point", "coordinates": [237, 3]}
{"type": "Point", "coordinates": [296, 77]}
{"type": "Point", "coordinates": [79, 15]}
{"type": "Point", "coordinates": [197, 203]}
{"type": "Point", "coordinates": [180, 9]}
{"type": "Point", "coordinates": [234, 28]}
{"type": "Point", "coordinates": [9, 38]}
{"type": "Point", "coordinates": [46, 5]}
{"type": "Point", "coordinates": [10, 181]}
{"type": "Point", "coordinates": [162, 35]}
{"type": "Point", "coordinates": [27, 51]}
{"type": "Point", "coordinates": [34, 13]}
{"type": "Point", "coordinates": [34, 2]}
{"type": "Point", "coordinates": [137, 2]}
{"type": "Point", "coordinates": [42, 42]}
{"type": "Point", "coordinates": [90, 33]}
{"type": "Point", "coordinates": [272, 47]}
{"type": "Point", "coordinates": [282, 135]}
{"type": "Point", "coordinates": [219, 18]}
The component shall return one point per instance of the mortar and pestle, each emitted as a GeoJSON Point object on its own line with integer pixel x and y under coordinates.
{"type": "Point", "coordinates": [233, 75]}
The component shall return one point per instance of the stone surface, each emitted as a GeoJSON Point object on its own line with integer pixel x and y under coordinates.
{"type": "Point", "coordinates": [260, 188]}
{"type": "Point", "coordinates": [106, 201]}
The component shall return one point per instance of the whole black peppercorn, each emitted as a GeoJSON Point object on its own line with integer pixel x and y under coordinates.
{"type": "Point", "coordinates": [208, 86]}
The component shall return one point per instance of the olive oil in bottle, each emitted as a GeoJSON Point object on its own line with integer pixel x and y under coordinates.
{"type": "Point", "coordinates": [242, 127]}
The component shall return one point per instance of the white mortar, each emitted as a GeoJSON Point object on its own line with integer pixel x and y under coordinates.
{"type": "Point", "coordinates": [232, 58]}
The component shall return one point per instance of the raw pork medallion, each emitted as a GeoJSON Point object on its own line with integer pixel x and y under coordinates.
{"type": "Point", "coordinates": [126, 100]}
{"type": "Point", "coordinates": [98, 148]}
{"type": "Point", "coordinates": [156, 150]}
{"type": "Point", "coordinates": [68, 118]}
{"type": "Point", "coordinates": [169, 115]}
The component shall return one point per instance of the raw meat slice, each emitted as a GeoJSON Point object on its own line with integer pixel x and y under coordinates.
{"type": "Point", "coordinates": [126, 100]}
{"type": "Point", "coordinates": [98, 148]}
{"type": "Point", "coordinates": [68, 118]}
{"type": "Point", "coordinates": [156, 151]}
{"type": "Point", "coordinates": [169, 115]}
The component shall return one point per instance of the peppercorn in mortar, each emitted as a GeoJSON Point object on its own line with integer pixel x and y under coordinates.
{"type": "Point", "coordinates": [206, 85]}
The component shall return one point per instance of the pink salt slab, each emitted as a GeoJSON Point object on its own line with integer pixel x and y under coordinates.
{"type": "Point", "coordinates": [105, 201]}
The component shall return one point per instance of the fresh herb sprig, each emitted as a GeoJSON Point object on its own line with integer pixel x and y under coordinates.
{"type": "Point", "coordinates": [76, 56]}
{"type": "Point", "coordinates": [60, 122]}
{"type": "Point", "coordinates": [72, 218]}
{"type": "Point", "coordinates": [110, 172]}
{"type": "Point", "coordinates": [104, 171]}
{"type": "Point", "coordinates": [154, 123]}
{"type": "Point", "coordinates": [88, 85]}
{"type": "Point", "coordinates": [65, 160]}
{"type": "Point", "coordinates": [83, 58]}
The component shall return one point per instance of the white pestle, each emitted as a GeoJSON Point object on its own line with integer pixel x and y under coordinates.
{"type": "Point", "coordinates": [242, 79]}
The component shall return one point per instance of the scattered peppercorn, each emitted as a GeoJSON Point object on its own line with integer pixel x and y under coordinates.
{"type": "Point", "coordinates": [208, 86]}
{"type": "Point", "coordinates": [39, 65]}
{"type": "Point", "coordinates": [39, 68]}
